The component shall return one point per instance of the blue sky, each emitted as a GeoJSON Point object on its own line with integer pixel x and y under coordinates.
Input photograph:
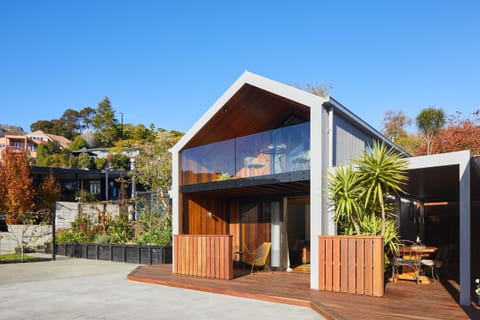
{"type": "Point", "coordinates": [166, 62]}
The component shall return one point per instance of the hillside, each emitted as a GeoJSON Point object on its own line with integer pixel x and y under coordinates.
{"type": "Point", "coordinates": [9, 129]}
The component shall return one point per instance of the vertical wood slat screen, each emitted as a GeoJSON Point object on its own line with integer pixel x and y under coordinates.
{"type": "Point", "coordinates": [351, 264]}
{"type": "Point", "coordinates": [207, 256]}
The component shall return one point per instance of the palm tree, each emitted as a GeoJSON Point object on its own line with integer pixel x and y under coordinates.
{"type": "Point", "coordinates": [345, 192]}
{"type": "Point", "coordinates": [382, 171]}
{"type": "Point", "coordinates": [429, 122]}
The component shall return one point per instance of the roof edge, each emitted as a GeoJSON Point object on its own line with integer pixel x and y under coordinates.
{"type": "Point", "coordinates": [260, 82]}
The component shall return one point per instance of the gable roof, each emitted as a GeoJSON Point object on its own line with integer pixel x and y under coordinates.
{"type": "Point", "coordinates": [248, 79]}
{"type": "Point", "coordinates": [62, 141]}
{"type": "Point", "coordinates": [221, 118]}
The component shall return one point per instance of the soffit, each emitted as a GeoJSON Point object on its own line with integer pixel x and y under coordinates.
{"type": "Point", "coordinates": [250, 110]}
{"type": "Point", "coordinates": [279, 189]}
{"type": "Point", "coordinates": [440, 183]}
{"type": "Point", "coordinates": [284, 184]}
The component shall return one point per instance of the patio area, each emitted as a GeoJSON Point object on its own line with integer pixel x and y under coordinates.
{"type": "Point", "coordinates": [402, 300]}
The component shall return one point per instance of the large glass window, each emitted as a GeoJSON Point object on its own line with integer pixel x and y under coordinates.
{"type": "Point", "coordinates": [271, 152]}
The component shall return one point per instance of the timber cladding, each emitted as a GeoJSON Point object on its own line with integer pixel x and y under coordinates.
{"type": "Point", "coordinates": [351, 264]}
{"type": "Point", "coordinates": [207, 256]}
{"type": "Point", "coordinates": [205, 215]}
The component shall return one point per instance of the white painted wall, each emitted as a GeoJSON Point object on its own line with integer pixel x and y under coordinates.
{"type": "Point", "coordinates": [32, 236]}
{"type": "Point", "coordinates": [67, 212]}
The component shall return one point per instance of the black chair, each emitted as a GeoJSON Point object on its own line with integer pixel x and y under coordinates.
{"type": "Point", "coordinates": [408, 257]}
{"type": "Point", "coordinates": [439, 262]}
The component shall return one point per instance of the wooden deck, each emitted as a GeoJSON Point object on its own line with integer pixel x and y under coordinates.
{"type": "Point", "coordinates": [402, 300]}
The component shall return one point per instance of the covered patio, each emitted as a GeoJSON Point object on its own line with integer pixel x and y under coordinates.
{"type": "Point", "coordinates": [446, 189]}
{"type": "Point", "coordinates": [403, 299]}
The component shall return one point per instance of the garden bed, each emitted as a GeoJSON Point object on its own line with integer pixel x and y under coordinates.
{"type": "Point", "coordinates": [128, 253]}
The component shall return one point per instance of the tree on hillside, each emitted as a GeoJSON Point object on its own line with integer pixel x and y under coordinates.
{"type": "Point", "coordinates": [42, 154]}
{"type": "Point", "coordinates": [87, 114]}
{"type": "Point", "coordinates": [460, 134]}
{"type": "Point", "coordinates": [105, 124]}
{"type": "Point", "coordinates": [153, 165]}
{"type": "Point", "coordinates": [43, 125]}
{"type": "Point", "coordinates": [84, 161]}
{"type": "Point", "coordinates": [71, 119]}
{"type": "Point", "coordinates": [140, 132]}
{"type": "Point", "coordinates": [317, 89]}
{"type": "Point", "coordinates": [411, 143]}
{"type": "Point", "coordinates": [429, 122]}
{"type": "Point", "coordinates": [46, 150]}
{"type": "Point", "coordinates": [78, 143]}
{"type": "Point", "coordinates": [394, 123]}
{"type": "Point", "coordinates": [55, 126]}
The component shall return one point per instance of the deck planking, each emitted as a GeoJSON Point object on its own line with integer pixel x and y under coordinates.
{"type": "Point", "coordinates": [402, 300]}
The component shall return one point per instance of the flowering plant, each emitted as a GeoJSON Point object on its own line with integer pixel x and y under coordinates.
{"type": "Point", "coordinates": [477, 289]}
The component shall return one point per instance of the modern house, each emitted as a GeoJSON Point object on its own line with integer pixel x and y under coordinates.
{"type": "Point", "coordinates": [254, 167]}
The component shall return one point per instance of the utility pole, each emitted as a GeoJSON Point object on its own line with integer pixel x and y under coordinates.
{"type": "Point", "coordinates": [132, 168]}
{"type": "Point", "coordinates": [121, 121]}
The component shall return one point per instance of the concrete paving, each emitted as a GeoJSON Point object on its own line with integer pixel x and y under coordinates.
{"type": "Point", "coordinates": [89, 289]}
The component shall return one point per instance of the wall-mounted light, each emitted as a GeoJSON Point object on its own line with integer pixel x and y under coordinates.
{"type": "Point", "coordinates": [225, 109]}
{"type": "Point", "coordinates": [211, 215]}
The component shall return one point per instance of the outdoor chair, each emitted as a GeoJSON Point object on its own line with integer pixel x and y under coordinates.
{"type": "Point", "coordinates": [439, 262]}
{"type": "Point", "coordinates": [407, 258]}
{"type": "Point", "coordinates": [258, 257]}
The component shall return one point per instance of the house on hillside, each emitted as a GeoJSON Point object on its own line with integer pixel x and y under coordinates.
{"type": "Point", "coordinates": [254, 167]}
{"type": "Point", "coordinates": [31, 141]}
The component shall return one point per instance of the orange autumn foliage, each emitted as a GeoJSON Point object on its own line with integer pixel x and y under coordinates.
{"type": "Point", "coordinates": [460, 134]}
{"type": "Point", "coordinates": [16, 185]}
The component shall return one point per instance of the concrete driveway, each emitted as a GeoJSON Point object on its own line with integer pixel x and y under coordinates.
{"type": "Point", "coordinates": [90, 289]}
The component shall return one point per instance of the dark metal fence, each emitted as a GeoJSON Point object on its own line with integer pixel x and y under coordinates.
{"type": "Point", "coordinates": [117, 252]}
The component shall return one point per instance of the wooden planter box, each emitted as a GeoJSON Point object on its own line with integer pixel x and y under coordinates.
{"type": "Point", "coordinates": [351, 264]}
{"type": "Point", "coordinates": [208, 256]}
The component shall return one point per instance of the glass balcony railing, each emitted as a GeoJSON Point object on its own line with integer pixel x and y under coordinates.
{"type": "Point", "coordinates": [271, 152]}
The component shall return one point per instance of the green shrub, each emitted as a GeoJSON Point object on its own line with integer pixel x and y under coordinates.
{"type": "Point", "coordinates": [151, 229]}
{"type": "Point", "coordinates": [65, 236]}
{"type": "Point", "coordinates": [155, 229]}
{"type": "Point", "coordinates": [120, 230]}
{"type": "Point", "coordinates": [102, 238]}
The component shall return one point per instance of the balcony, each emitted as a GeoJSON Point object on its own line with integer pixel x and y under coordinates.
{"type": "Point", "coordinates": [271, 152]}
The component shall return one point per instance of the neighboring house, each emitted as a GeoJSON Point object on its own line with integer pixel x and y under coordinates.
{"type": "Point", "coordinates": [103, 184]}
{"type": "Point", "coordinates": [254, 166]}
{"type": "Point", "coordinates": [31, 141]}
{"type": "Point", "coordinates": [104, 153]}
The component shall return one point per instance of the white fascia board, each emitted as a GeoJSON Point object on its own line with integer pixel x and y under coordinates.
{"type": "Point", "coordinates": [439, 160]}
{"type": "Point", "coordinates": [254, 80]}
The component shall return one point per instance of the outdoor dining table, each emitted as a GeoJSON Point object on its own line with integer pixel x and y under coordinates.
{"type": "Point", "coordinates": [422, 251]}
